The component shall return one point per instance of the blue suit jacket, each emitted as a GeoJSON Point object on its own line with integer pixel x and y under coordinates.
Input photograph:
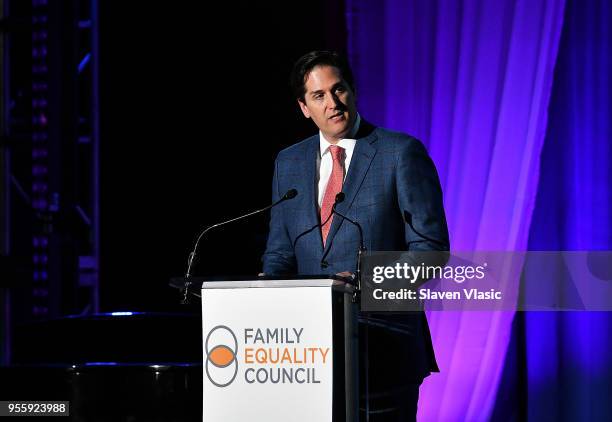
{"type": "Point", "coordinates": [389, 173]}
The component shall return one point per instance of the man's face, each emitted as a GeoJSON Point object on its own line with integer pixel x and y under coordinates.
{"type": "Point", "coordinates": [329, 102]}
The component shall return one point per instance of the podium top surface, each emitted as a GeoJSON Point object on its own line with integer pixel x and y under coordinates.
{"type": "Point", "coordinates": [264, 282]}
{"type": "Point", "coordinates": [283, 283]}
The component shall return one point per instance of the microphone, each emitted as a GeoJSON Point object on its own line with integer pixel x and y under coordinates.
{"type": "Point", "coordinates": [408, 219]}
{"type": "Point", "coordinates": [339, 199]}
{"type": "Point", "coordinates": [319, 225]}
{"type": "Point", "coordinates": [340, 196]}
{"type": "Point", "coordinates": [291, 193]}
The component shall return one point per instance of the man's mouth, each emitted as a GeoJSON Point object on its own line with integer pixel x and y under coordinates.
{"type": "Point", "coordinates": [335, 116]}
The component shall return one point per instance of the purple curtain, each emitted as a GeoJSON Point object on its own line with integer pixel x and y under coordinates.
{"type": "Point", "coordinates": [472, 79]}
{"type": "Point", "coordinates": [569, 364]}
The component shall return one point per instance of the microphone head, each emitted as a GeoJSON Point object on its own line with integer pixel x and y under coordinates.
{"type": "Point", "coordinates": [291, 193]}
{"type": "Point", "coordinates": [339, 197]}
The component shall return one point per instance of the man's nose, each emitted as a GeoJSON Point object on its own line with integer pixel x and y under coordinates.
{"type": "Point", "coordinates": [333, 100]}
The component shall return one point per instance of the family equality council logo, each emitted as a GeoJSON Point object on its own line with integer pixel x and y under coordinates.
{"type": "Point", "coordinates": [221, 348]}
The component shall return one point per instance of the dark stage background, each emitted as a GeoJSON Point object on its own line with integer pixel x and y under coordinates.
{"type": "Point", "coordinates": [183, 108]}
{"type": "Point", "coordinates": [195, 105]}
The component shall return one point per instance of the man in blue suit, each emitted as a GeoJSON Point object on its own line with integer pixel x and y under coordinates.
{"type": "Point", "coordinates": [385, 176]}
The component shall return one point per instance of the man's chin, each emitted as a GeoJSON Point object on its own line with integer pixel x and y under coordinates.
{"type": "Point", "coordinates": [342, 133]}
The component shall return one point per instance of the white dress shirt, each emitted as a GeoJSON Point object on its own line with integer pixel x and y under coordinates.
{"type": "Point", "coordinates": [325, 162]}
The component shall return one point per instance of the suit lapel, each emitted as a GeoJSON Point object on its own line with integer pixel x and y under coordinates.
{"type": "Point", "coordinates": [310, 182]}
{"type": "Point", "coordinates": [363, 154]}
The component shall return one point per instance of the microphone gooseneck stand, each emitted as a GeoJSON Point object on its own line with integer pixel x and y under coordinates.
{"type": "Point", "coordinates": [290, 194]}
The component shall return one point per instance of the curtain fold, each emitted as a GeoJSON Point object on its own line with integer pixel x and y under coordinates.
{"type": "Point", "coordinates": [472, 80]}
{"type": "Point", "coordinates": [569, 370]}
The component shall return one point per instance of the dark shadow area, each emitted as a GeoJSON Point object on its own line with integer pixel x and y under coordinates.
{"type": "Point", "coordinates": [194, 108]}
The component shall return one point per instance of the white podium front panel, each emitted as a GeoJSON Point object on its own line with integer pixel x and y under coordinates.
{"type": "Point", "coordinates": [267, 354]}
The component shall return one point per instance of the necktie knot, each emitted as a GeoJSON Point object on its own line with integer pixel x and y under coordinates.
{"type": "Point", "coordinates": [336, 153]}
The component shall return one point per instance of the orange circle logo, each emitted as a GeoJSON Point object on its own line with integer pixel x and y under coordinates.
{"type": "Point", "coordinates": [221, 348]}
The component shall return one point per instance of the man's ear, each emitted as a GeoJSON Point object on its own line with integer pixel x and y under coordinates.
{"type": "Point", "coordinates": [304, 108]}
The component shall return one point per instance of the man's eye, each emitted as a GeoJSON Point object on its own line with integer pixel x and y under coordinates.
{"type": "Point", "coordinates": [318, 96]}
{"type": "Point", "coordinates": [340, 89]}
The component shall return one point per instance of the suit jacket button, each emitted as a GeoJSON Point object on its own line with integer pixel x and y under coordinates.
{"type": "Point", "coordinates": [324, 264]}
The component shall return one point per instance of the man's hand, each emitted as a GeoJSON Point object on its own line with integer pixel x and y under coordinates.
{"type": "Point", "coordinates": [346, 274]}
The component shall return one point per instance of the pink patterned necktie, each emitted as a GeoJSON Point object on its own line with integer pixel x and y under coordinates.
{"type": "Point", "coordinates": [334, 186]}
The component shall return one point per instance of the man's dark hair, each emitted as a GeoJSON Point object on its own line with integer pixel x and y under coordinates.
{"type": "Point", "coordinates": [307, 62]}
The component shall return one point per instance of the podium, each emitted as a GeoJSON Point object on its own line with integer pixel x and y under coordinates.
{"type": "Point", "coordinates": [279, 349]}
